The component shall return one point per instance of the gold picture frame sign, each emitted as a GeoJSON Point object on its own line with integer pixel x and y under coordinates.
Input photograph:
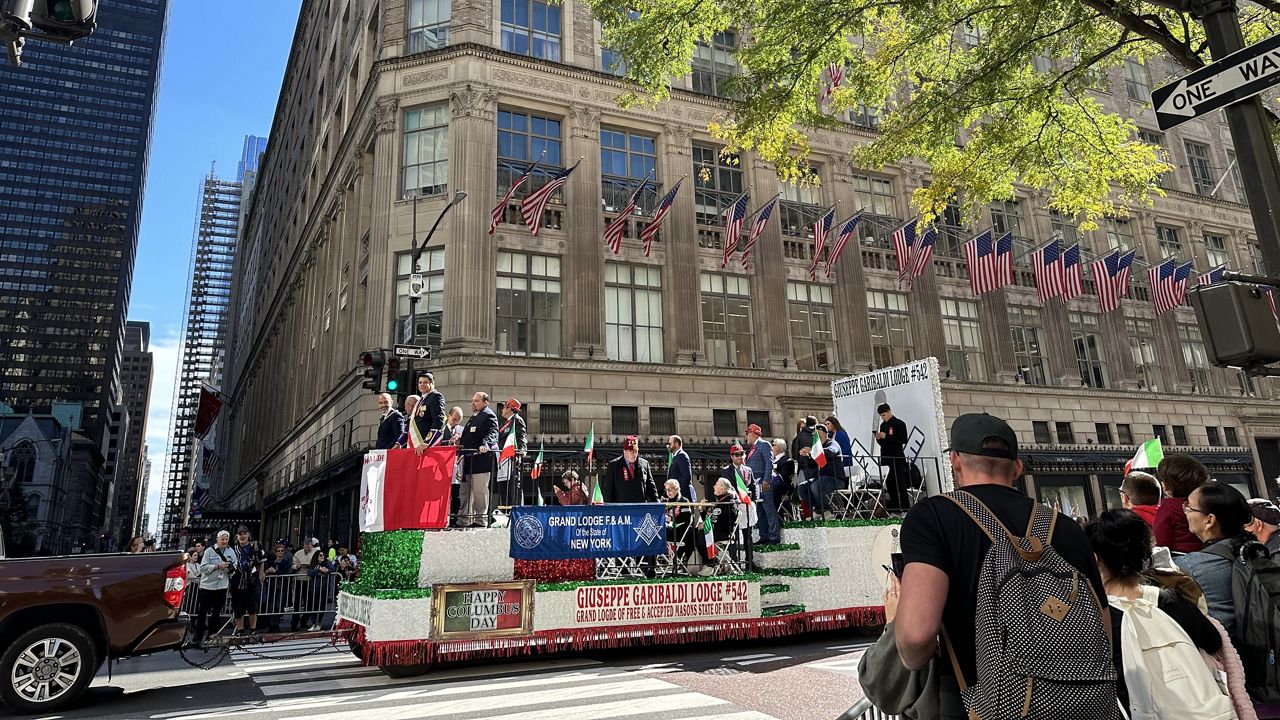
{"type": "Point", "coordinates": [471, 611]}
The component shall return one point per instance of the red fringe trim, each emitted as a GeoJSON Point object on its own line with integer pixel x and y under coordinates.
{"type": "Point", "coordinates": [425, 652]}
{"type": "Point", "coordinates": [555, 570]}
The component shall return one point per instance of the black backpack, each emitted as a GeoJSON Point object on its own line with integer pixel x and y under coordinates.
{"type": "Point", "coordinates": [1255, 593]}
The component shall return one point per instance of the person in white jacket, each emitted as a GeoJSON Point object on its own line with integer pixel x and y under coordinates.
{"type": "Point", "coordinates": [215, 574]}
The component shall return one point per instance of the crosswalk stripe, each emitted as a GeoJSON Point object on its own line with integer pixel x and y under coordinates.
{"type": "Point", "coordinates": [736, 658]}
{"type": "Point", "coordinates": [771, 658]}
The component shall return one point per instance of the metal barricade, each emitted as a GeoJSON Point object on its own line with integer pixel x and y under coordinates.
{"type": "Point", "coordinates": [864, 710]}
{"type": "Point", "coordinates": [307, 601]}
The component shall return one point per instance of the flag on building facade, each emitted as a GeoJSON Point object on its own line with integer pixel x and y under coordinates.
{"type": "Point", "coordinates": [1212, 276]}
{"type": "Point", "coordinates": [210, 461]}
{"type": "Point", "coordinates": [1168, 284]}
{"type": "Point", "coordinates": [1149, 455]}
{"type": "Point", "coordinates": [904, 246]}
{"type": "Point", "coordinates": [664, 207]}
{"type": "Point", "coordinates": [757, 228]}
{"type": "Point", "coordinates": [734, 216]}
{"type": "Point", "coordinates": [500, 210]}
{"type": "Point", "coordinates": [1047, 269]}
{"type": "Point", "coordinates": [200, 498]}
{"type": "Point", "coordinates": [1072, 273]}
{"type": "Point", "coordinates": [536, 472]}
{"type": "Point", "coordinates": [533, 204]}
{"type": "Point", "coordinates": [400, 489]}
{"type": "Point", "coordinates": [590, 448]}
{"type": "Point", "coordinates": [834, 76]}
{"type": "Point", "coordinates": [1111, 278]}
{"type": "Point", "coordinates": [924, 254]}
{"type": "Point", "coordinates": [990, 263]}
{"type": "Point", "coordinates": [843, 236]}
{"type": "Point", "coordinates": [821, 231]}
{"type": "Point", "coordinates": [614, 231]}
{"type": "Point", "coordinates": [207, 410]}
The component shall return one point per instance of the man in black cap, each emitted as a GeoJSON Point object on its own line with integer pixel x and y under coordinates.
{"type": "Point", "coordinates": [892, 438]}
{"type": "Point", "coordinates": [1265, 524]}
{"type": "Point", "coordinates": [943, 550]}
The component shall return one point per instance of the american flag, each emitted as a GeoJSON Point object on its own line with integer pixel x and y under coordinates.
{"type": "Point", "coordinates": [847, 228]}
{"type": "Point", "coordinates": [614, 230]}
{"type": "Point", "coordinates": [1047, 269]}
{"type": "Point", "coordinates": [535, 202]}
{"type": "Point", "coordinates": [500, 210]}
{"type": "Point", "coordinates": [734, 216]}
{"type": "Point", "coordinates": [1072, 273]}
{"type": "Point", "coordinates": [1212, 276]}
{"type": "Point", "coordinates": [835, 75]}
{"type": "Point", "coordinates": [990, 263]}
{"type": "Point", "coordinates": [821, 231]}
{"type": "Point", "coordinates": [924, 253]}
{"type": "Point", "coordinates": [210, 461]}
{"type": "Point", "coordinates": [659, 215]}
{"type": "Point", "coordinates": [1168, 284]}
{"type": "Point", "coordinates": [904, 245]}
{"type": "Point", "coordinates": [1111, 275]}
{"type": "Point", "coordinates": [200, 499]}
{"type": "Point", "coordinates": [757, 227]}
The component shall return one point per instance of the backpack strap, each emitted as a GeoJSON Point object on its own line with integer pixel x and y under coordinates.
{"type": "Point", "coordinates": [955, 667]}
{"type": "Point", "coordinates": [1221, 550]}
{"type": "Point", "coordinates": [981, 515]}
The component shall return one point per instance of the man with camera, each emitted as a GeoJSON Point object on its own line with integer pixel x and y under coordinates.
{"type": "Point", "coordinates": [246, 581]}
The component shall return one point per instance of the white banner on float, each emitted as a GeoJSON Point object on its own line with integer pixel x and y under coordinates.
{"type": "Point", "coordinates": [676, 602]}
{"type": "Point", "coordinates": [914, 392]}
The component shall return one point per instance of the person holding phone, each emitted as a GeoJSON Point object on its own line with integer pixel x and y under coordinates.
{"type": "Point", "coordinates": [892, 439]}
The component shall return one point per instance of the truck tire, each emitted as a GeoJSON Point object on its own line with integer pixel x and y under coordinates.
{"type": "Point", "coordinates": [47, 668]}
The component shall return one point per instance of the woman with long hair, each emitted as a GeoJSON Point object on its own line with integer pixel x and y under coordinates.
{"type": "Point", "coordinates": [1216, 515]}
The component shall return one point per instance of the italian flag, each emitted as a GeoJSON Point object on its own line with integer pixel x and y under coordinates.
{"type": "Point", "coordinates": [744, 497]}
{"type": "Point", "coordinates": [710, 535]}
{"type": "Point", "coordinates": [1149, 455]}
{"type": "Point", "coordinates": [536, 472]}
{"type": "Point", "coordinates": [590, 447]}
{"type": "Point", "coordinates": [509, 447]}
{"type": "Point", "coordinates": [596, 497]}
{"type": "Point", "coordinates": [815, 451]}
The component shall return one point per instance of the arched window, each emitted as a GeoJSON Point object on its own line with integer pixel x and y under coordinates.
{"type": "Point", "coordinates": [23, 461]}
{"type": "Point", "coordinates": [33, 506]}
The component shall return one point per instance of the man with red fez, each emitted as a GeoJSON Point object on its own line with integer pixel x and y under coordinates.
{"type": "Point", "coordinates": [628, 479]}
{"type": "Point", "coordinates": [512, 422]}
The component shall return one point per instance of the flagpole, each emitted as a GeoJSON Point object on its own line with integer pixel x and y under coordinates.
{"type": "Point", "coordinates": [760, 207]}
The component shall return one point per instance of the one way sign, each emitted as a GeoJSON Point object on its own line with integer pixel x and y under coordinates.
{"type": "Point", "coordinates": [1238, 76]}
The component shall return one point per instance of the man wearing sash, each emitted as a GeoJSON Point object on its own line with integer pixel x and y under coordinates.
{"type": "Point", "coordinates": [430, 416]}
{"type": "Point", "coordinates": [628, 479]}
{"type": "Point", "coordinates": [512, 423]}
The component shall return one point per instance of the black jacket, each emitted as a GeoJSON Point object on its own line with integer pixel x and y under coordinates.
{"type": "Point", "coordinates": [803, 439]}
{"type": "Point", "coordinates": [390, 428]}
{"type": "Point", "coordinates": [724, 517]}
{"type": "Point", "coordinates": [481, 431]}
{"type": "Point", "coordinates": [785, 468]}
{"type": "Point", "coordinates": [679, 517]}
{"type": "Point", "coordinates": [616, 487]}
{"type": "Point", "coordinates": [895, 438]}
{"type": "Point", "coordinates": [514, 424]}
{"type": "Point", "coordinates": [432, 417]}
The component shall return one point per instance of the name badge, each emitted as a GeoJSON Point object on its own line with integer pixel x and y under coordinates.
{"type": "Point", "coordinates": [471, 429]}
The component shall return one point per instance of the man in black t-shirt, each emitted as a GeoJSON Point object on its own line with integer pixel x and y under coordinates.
{"type": "Point", "coordinates": [943, 550]}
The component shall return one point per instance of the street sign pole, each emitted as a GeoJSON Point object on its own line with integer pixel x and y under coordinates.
{"type": "Point", "coordinates": [1250, 133]}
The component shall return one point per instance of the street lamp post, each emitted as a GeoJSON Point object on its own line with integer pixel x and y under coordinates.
{"type": "Point", "coordinates": [416, 250]}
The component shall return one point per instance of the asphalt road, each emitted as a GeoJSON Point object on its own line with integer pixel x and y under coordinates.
{"type": "Point", "coordinates": [809, 678]}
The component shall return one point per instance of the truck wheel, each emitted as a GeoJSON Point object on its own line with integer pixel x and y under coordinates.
{"type": "Point", "coordinates": [46, 668]}
{"type": "Point", "coordinates": [405, 671]}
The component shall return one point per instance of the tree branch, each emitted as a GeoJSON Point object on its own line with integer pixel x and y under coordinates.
{"type": "Point", "coordinates": [1177, 50]}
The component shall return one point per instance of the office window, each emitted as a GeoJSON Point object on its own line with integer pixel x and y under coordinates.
{"type": "Point", "coordinates": [726, 320]}
{"type": "Point", "coordinates": [761, 418]}
{"type": "Point", "coordinates": [529, 304]}
{"type": "Point", "coordinates": [890, 325]}
{"type": "Point", "coordinates": [865, 116]}
{"type": "Point", "coordinates": [717, 182]}
{"type": "Point", "coordinates": [426, 150]}
{"type": "Point", "coordinates": [1142, 346]}
{"type": "Point", "coordinates": [1195, 356]}
{"type": "Point", "coordinates": [662, 421]}
{"type": "Point", "coordinates": [1103, 431]}
{"type": "Point", "coordinates": [1152, 137]}
{"type": "Point", "coordinates": [553, 419]}
{"type": "Point", "coordinates": [964, 339]}
{"type": "Point", "coordinates": [429, 312]}
{"type": "Point", "coordinates": [610, 60]}
{"type": "Point", "coordinates": [875, 195]}
{"type": "Point", "coordinates": [1180, 435]}
{"type": "Point", "coordinates": [973, 34]}
{"type": "Point", "coordinates": [1237, 178]}
{"type": "Point", "coordinates": [625, 420]}
{"type": "Point", "coordinates": [522, 139]}
{"type": "Point", "coordinates": [1027, 329]}
{"type": "Point", "coordinates": [1124, 434]}
{"type": "Point", "coordinates": [1198, 162]}
{"type": "Point", "coordinates": [531, 27]}
{"type": "Point", "coordinates": [1215, 250]}
{"type": "Point", "coordinates": [1255, 258]}
{"type": "Point", "coordinates": [714, 64]}
{"type": "Point", "coordinates": [1006, 217]}
{"type": "Point", "coordinates": [1088, 344]}
{"type": "Point", "coordinates": [1064, 229]}
{"type": "Point", "coordinates": [1066, 436]}
{"type": "Point", "coordinates": [1160, 431]}
{"type": "Point", "coordinates": [633, 312]}
{"type": "Point", "coordinates": [810, 314]}
{"type": "Point", "coordinates": [1119, 234]}
{"type": "Point", "coordinates": [799, 206]}
{"type": "Point", "coordinates": [1135, 81]}
{"type": "Point", "coordinates": [1230, 436]}
{"type": "Point", "coordinates": [724, 423]}
{"type": "Point", "coordinates": [1040, 429]}
{"type": "Point", "coordinates": [428, 25]}
{"type": "Point", "coordinates": [1215, 439]}
{"type": "Point", "coordinates": [626, 159]}
{"type": "Point", "coordinates": [1169, 242]}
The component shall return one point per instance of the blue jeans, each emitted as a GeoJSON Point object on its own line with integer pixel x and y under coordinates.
{"type": "Point", "coordinates": [767, 522]}
{"type": "Point", "coordinates": [816, 491]}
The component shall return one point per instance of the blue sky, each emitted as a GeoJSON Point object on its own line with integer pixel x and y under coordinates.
{"type": "Point", "coordinates": [223, 64]}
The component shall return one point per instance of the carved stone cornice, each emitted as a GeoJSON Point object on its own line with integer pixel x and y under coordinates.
{"type": "Point", "coordinates": [678, 139]}
{"type": "Point", "coordinates": [842, 167]}
{"type": "Point", "coordinates": [384, 114]}
{"type": "Point", "coordinates": [477, 101]}
{"type": "Point", "coordinates": [586, 122]}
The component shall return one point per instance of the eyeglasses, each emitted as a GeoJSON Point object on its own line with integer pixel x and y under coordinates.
{"type": "Point", "coordinates": [1186, 508]}
{"type": "Point", "coordinates": [737, 454]}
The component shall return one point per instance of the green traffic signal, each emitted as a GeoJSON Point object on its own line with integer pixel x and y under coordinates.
{"type": "Point", "coordinates": [393, 385]}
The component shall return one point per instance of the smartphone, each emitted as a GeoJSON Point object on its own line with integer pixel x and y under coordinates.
{"type": "Point", "coordinates": [896, 560]}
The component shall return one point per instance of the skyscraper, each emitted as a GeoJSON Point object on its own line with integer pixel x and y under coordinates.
{"type": "Point", "coordinates": [75, 135]}
{"type": "Point", "coordinates": [136, 379]}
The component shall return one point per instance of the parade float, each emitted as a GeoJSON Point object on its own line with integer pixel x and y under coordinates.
{"type": "Point", "coordinates": [560, 579]}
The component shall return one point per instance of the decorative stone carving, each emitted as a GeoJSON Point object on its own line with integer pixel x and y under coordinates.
{"type": "Point", "coordinates": [586, 122]}
{"type": "Point", "coordinates": [339, 204]}
{"type": "Point", "coordinates": [842, 167]}
{"type": "Point", "coordinates": [384, 114]}
{"type": "Point", "coordinates": [530, 82]}
{"type": "Point", "coordinates": [678, 138]}
{"type": "Point", "coordinates": [424, 77]}
{"type": "Point", "coordinates": [473, 101]}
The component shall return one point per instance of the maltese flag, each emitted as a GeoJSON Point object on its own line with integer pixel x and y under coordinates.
{"type": "Point", "coordinates": [400, 489]}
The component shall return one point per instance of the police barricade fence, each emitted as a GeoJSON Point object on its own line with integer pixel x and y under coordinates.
{"type": "Point", "coordinates": [308, 598]}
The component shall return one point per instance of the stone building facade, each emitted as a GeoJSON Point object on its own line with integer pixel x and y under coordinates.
{"type": "Point", "coordinates": [384, 101]}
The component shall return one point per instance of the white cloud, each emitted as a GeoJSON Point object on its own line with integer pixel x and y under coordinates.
{"type": "Point", "coordinates": [166, 352]}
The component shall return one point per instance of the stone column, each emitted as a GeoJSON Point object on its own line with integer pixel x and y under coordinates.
{"type": "Point", "coordinates": [849, 294]}
{"type": "Point", "coordinates": [583, 256]}
{"type": "Point", "coordinates": [682, 301]}
{"type": "Point", "coordinates": [993, 317]}
{"type": "Point", "coordinates": [768, 279]}
{"type": "Point", "coordinates": [381, 285]}
{"type": "Point", "coordinates": [470, 287]}
{"type": "Point", "coordinates": [471, 21]}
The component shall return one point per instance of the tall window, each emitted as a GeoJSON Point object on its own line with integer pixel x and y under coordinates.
{"type": "Point", "coordinates": [1066, 434]}
{"type": "Point", "coordinates": [890, 325]}
{"type": "Point", "coordinates": [1194, 355]}
{"type": "Point", "coordinates": [1215, 439]}
{"type": "Point", "coordinates": [1124, 434]}
{"type": "Point", "coordinates": [875, 195]}
{"type": "Point", "coordinates": [1255, 258]}
{"type": "Point", "coordinates": [726, 320]}
{"type": "Point", "coordinates": [1040, 431]}
{"type": "Point", "coordinates": [531, 27]}
{"type": "Point", "coordinates": [1152, 137]}
{"type": "Point", "coordinates": [717, 182]}
{"type": "Point", "coordinates": [1089, 355]}
{"type": "Point", "coordinates": [1064, 229]}
{"type": "Point", "coordinates": [1168, 241]}
{"type": "Point", "coordinates": [964, 339]}
{"type": "Point", "coordinates": [865, 116]}
{"type": "Point", "coordinates": [1198, 162]}
{"type": "Point", "coordinates": [633, 312]}
{"type": "Point", "coordinates": [523, 138]}
{"type": "Point", "coordinates": [1135, 81]}
{"type": "Point", "coordinates": [662, 421]}
{"type": "Point", "coordinates": [1142, 345]}
{"type": "Point", "coordinates": [714, 64]}
{"type": "Point", "coordinates": [952, 233]}
{"type": "Point", "coordinates": [1215, 250]}
{"type": "Point", "coordinates": [611, 60]}
{"type": "Point", "coordinates": [529, 304]}
{"type": "Point", "coordinates": [724, 423]}
{"type": "Point", "coordinates": [1027, 328]}
{"type": "Point", "coordinates": [428, 25]}
{"type": "Point", "coordinates": [1103, 431]}
{"type": "Point", "coordinates": [426, 150]}
{"type": "Point", "coordinates": [430, 309]}
{"type": "Point", "coordinates": [810, 312]}
{"type": "Point", "coordinates": [1119, 234]}
{"type": "Point", "coordinates": [1006, 217]}
{"type": "Point", "coordinates": [1237, 178]}
{"type": "Point", "coordinates": [626, 159]}
{"type": "Point", "coordinates": [799, 206]}
{"type": "Point", "coordinates": [1230, 436]}
{"type": "Point", "coordinates": [973, 34]}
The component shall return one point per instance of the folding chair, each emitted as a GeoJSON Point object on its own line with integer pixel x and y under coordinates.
{"type": "Point", "coordinates": [726, 563]}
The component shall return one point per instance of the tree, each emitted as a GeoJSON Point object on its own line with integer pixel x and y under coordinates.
{"type": "Point", "coordinates": [988, 93]}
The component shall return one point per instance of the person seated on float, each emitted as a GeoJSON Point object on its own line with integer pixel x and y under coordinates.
{"type": "Point", "coordinates": [679, 520]}
{"type": "Point", "coordinates": [570, 490]}
{"type": "Point", "coordinates": [724, 520]}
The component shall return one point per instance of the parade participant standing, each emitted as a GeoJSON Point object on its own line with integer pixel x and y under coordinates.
{"type": "Point", "coordinates": [784, 469]}
{"type": "Point", "coordinates": [390, 425]}
{"type": "Point", "coordinates": [478, 444]}
{"type": "Point", "coordinates": [892, 438]}
{"type": "Point", "coordinates": [509, 490]}
{"type": "Point", "coordinates": [680, 468]}
{"type": "Point", "coordinates": [806, 468]}
{"type": "Point", "coordinates": [760, 461]}
{"type": "Point", "coordinates": [628, 479]}
{"type": "Point", "coordinates": [411, 437]}
{"type": "Point", "coordinates": [430, 416]}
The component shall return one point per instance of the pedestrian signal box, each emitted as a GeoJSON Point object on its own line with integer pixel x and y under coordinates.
{"type": "Point", "coordinates": [1238, 323]}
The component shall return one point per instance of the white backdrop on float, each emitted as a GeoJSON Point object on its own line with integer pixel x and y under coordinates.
{"type": "Point", "coordinates": [914, 391]}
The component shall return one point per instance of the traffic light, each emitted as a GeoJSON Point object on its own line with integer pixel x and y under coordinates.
{"type": "Point", "coordinates": [393, 375]}
{"type": "Point", "coordinates": [1238, 323]}
{"type": "Point", "coordinates": [373, 361]}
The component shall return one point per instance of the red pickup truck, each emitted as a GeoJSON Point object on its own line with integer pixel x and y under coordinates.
{"type": "Point", "coordinates": [62, 617]}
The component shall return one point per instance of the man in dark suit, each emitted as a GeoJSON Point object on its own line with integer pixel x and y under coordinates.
{"type": "Point", "coordinates": [430, 415]}
{"type": "Point", "coordinates": [681, 469]}
{"type": "Point", "coordinates": [390, 425]}
{"type": "Point", "coordinates": [892, 438]}
{"type": "Point", "coordinates": [509, 487]}
{"type": "Point", "coordinates": [478, 445]}
{"type": "Point", "coordinates": [628, 479]}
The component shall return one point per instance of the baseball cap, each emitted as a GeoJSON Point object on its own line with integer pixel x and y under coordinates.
{"type": "Point", "coordinates": [513, 404]}
{"type": "Point", "coordinates": [735, 449]}
{"type": "Point", "coordinates": [631, 443]}
{"type": "Point", "coordinates": [315, 541]}
{"type": "Point", "coordinates": [755, 429]}
{"type": "Point", "coordinates": [242, 528]}
{"type": "Point", "coordinates": [823, 429]}
{"type": "Point", "coordinates": [971, 430]}
{"type": "Point", "coordinates": [1265, 510]}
